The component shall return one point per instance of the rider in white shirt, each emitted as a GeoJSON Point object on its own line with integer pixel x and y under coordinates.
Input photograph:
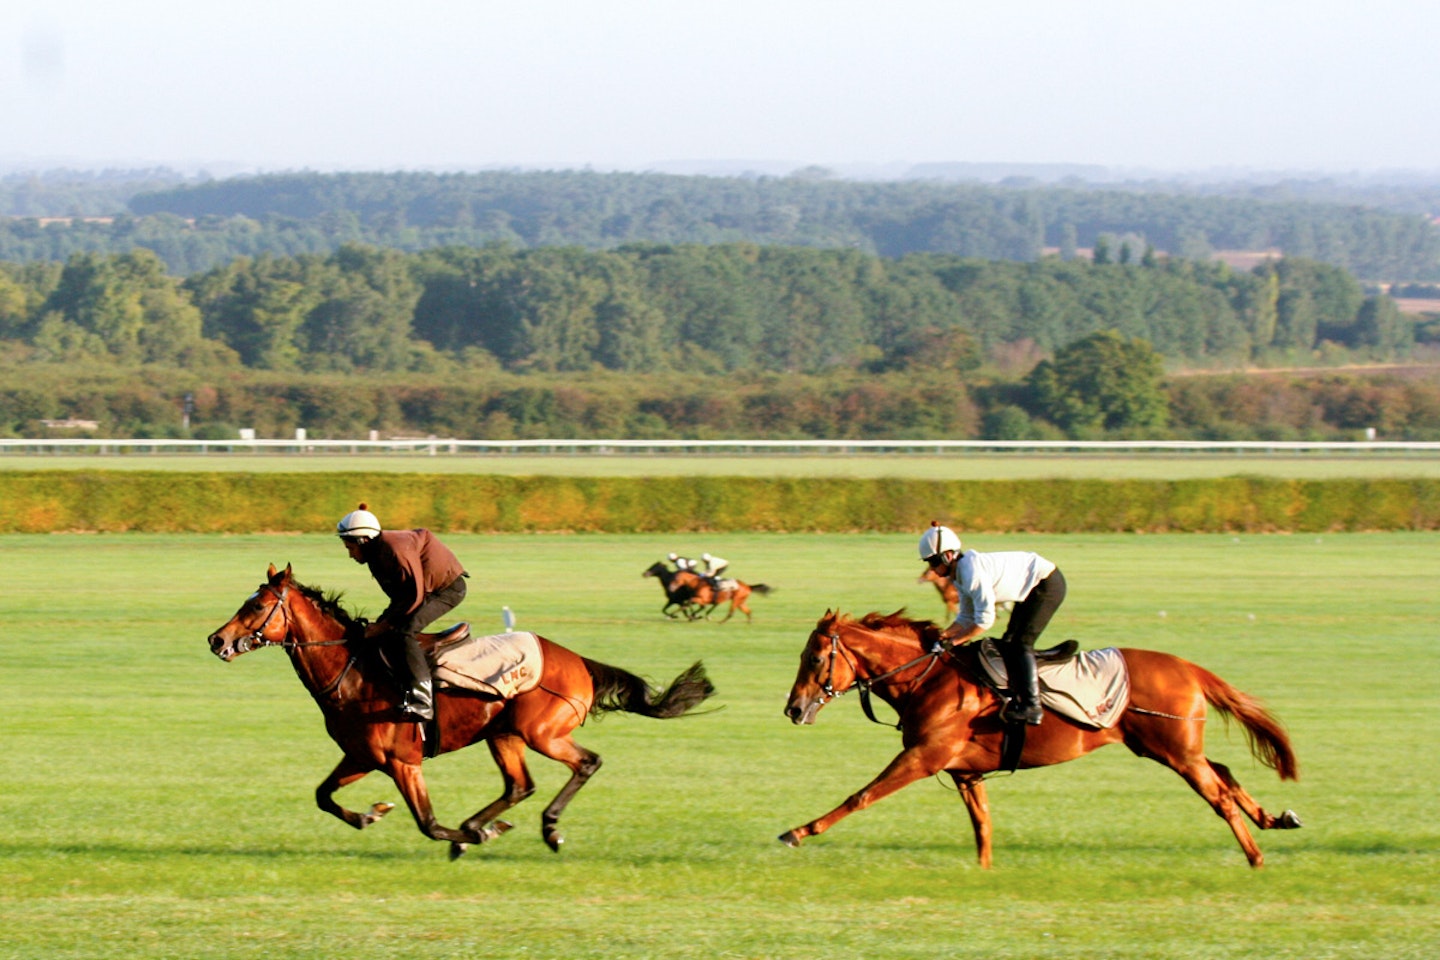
{"type": "Point", "coordinates": [986, 580]}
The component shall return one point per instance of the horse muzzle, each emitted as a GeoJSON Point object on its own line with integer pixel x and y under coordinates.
{"type": "Point", "coordinates": [228, 650]}
{"type": "Point", "coordinates": [802, 710]}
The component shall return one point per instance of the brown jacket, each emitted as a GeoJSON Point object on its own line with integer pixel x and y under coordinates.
{"type": "Point", "coordinates": [408, 564]}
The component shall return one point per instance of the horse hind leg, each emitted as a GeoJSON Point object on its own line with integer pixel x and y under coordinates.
{"type": "Point", "coordinates": [509, 755]}
{"type": "Point", "coordinates": [583, 764]}
{"type": "Point", "coordinates": [1265, 821]}
{"type": "Point", "coordinates": [1217, 790]}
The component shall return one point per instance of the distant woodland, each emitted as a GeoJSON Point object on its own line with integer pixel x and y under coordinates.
{"type": "Point", "coordinates": [1379, 235]}
{"type": "Point", "coordinates": [580, 304]}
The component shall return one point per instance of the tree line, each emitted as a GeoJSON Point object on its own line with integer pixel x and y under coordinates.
{"type": "Point", "coordinates": [702, 309]}
{"type": "Point", "coordinates": [731, 340]}
{"type": "Point", "coordinates": [198, 226]}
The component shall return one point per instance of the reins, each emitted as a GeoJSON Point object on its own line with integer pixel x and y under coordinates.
{"type": "Point", "coordinates": [864, 685]}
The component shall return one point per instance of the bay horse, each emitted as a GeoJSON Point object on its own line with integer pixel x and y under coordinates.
{"type": "Point", "coordinates": [360, 701]}
{"type": "Point", "coordinates": [950, 723]}
{"type": "Point", "coordinates": [679, 598]}
{"type": "Point", "coordinates": [946, 588]}
{"type": "Point", "coordinates": [709, 597]}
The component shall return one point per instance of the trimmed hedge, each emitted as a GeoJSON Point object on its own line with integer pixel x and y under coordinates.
{"type": "Point", "coordinates": [55, 501]}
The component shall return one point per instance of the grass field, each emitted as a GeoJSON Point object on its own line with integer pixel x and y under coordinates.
{"type": "Point", "coordinates": [158, 803]}
{"type": "Point", "coordinates": [957, 466]}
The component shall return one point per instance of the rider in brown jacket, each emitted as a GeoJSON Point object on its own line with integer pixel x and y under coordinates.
{"type": "Point", "coordinates": [423, 580]}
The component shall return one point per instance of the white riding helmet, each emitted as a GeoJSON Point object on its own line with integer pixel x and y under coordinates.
{"type": "Point", "coordinates": [673, 557]}
{"type": "Point", "coordinates": [358, 524]}
{"type": "Point", "coordinates": [937, 540]}
{"type": "Point", "coordinates": [706, 557]}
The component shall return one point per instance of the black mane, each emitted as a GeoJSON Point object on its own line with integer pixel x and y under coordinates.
{"type": "Point", "coordinates": [329, 603]}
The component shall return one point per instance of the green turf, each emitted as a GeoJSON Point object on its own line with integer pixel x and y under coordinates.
{"type": "Point", "coordinates": [959, 465]}
{"type": "Point", "coordinates": [159, 803]}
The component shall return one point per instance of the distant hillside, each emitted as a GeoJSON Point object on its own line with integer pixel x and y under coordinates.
{"type": "Point", "coordinates": [600, 210]}
{"type": "Point", "coordinates": [1380, 232]}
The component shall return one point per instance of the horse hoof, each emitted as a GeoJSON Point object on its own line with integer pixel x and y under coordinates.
{"type": "Point", "coordinates": [553, 840]}
{"type": "Point", "coordinates": [1289, 820]}
{"type": "Point", "coordinates": [376, 811]}
{"type": "Point", "coordinates": [457, 850]}
{"type": "Point", "coordinates": [789, 838]}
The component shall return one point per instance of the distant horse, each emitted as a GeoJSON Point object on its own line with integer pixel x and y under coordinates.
{"type": "Point", "coordinates": [360, 701]}
{"type": "Point", "coordinates": [735, 591]}
{"type": "Point", "coordinates": [950, 721]}
{"type": "Point", "coordinates": [946, 587]}
{"type": "Point", "coordinates": [679, 597]}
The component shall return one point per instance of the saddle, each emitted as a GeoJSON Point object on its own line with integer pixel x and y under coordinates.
{"type": "Point", "coordinates": [1092, 687]}
{"type": "Point", "coordinates": [499, 665]}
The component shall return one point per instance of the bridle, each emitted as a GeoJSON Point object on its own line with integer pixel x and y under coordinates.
{"type": "Point", "coordinates": [864, 685]}
{"type": "Point", "coordinates": [257, 639]}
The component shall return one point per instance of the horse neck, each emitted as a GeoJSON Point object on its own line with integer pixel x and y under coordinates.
{"type": "Point", "coordinates": [877, 651]}
{"type": "Point", "coordinates": [309, 627]}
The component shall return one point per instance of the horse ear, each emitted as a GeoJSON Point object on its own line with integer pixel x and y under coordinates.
{"type": "Point", "coordinates": [287, 571]}
{"type": "Point", "coordinates": [270, 574]}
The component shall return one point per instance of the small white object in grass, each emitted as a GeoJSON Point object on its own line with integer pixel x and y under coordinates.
{"type": "Point", "coordinates": [508, 618]}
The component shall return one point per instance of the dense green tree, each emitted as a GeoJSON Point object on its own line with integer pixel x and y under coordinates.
{"type": "Point", "coordinates": [1380, 326]}
{"type": "Point", "coordinates": [126, 304]}
{"type": "Point", "coordinates": [1102, 382]}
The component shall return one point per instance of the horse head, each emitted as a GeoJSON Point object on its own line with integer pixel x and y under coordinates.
{"type": "Point", "coordinates": [261, 620]}
{"type": "Point", "coordinates": [656, 570]}
{"type": "Point", "coordinates": [826, 671]}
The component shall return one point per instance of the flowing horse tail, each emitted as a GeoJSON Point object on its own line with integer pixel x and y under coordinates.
{"type": "Point", "coordinates": [617, 689]}
{"type": "Point", "coordinates": [1266, 736]}
{"type": "Point", "coordinates": [761, 588]}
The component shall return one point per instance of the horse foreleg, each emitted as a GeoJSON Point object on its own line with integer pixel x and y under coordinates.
{"type": "Point", "coordinates": [509, 755]}
{"type": "Point", "coordinates": [411, 781]}
{"type": "Point", "coordinates": [911, 765]}
{"type": "Point", "coordinates": [977, 804]}
{"type": "Point", "coordinates": [348, 771]}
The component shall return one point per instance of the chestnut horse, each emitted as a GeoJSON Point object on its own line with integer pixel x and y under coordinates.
{"type": "Point", "coordinates": [360, 701]}
{"type": "Point", "coordinates": [946, 588]}
{"type": "Point", "coordinates": [709, 597]}
{"type": "Point", "coordinates": [950, 721]}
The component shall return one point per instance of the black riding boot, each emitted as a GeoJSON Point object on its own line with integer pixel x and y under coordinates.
{"type": "Point", "coordinates": [419, 703]}
{"type": "Point", "coordinates": [1024, 686]}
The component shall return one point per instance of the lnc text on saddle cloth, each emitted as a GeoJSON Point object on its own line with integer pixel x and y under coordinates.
{"type": "Point", "coordinates": [503, 664]}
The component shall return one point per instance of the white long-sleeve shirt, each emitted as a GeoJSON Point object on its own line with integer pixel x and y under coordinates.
{"type": "Point", "coordinates": [986, 580]}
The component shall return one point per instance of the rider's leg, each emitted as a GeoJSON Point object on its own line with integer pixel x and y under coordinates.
{"type": "Point", "coordinates": [419, 699]}
{"type": "Point", "coordinates": [1027, 621]}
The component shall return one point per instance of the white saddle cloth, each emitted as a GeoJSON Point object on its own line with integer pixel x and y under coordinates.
{"type": "Point", "coordinates": [1092, 687]}
{"type": "Point", "coordinates": [503, 664]}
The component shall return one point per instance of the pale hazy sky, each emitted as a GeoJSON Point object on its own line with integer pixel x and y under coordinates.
{"type": "Point", "coordinates": [363, 84]}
